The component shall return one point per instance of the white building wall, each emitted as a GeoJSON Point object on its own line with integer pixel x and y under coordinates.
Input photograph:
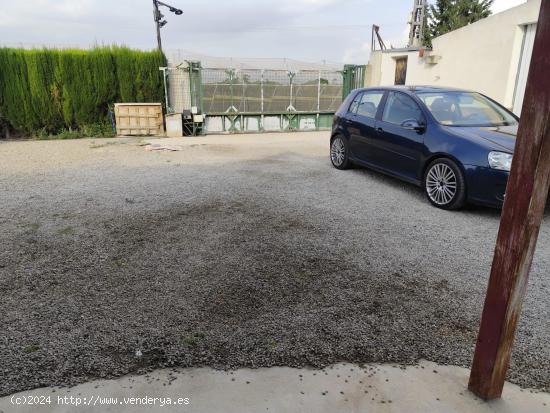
{"type": "Point", "coordinates": [483, 56]}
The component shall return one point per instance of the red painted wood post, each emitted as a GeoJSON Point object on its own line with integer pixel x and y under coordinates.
{"type": "Point", "coordinates": [522, 214]}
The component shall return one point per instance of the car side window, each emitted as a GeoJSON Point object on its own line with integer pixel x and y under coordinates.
{"type": "Point", "coordinates": [355, 103]}
{"type": "Point", "coordinates": [368, 106]}
{"type": "Point", "coordinates": [400, 108]}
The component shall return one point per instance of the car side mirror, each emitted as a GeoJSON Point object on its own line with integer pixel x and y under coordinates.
{"type": "Point", "coordinates": [413, 124]}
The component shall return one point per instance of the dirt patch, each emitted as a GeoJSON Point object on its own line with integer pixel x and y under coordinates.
{"type": "Point", "coordinates": [222, 284]}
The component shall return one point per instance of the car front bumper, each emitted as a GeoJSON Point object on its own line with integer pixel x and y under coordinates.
{"type": "Point", "coordinates": [485, 185]}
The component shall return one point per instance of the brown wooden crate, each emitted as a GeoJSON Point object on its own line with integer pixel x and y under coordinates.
{"type": "Point", "coordinates": [139, 119]}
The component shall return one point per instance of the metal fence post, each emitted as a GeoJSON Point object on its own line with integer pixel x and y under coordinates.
{"type": "Point", "coordinates": [262, 100]}
{"type": "Point", "coordinates": [244, 101]}
{"type": "Point", "coordinates": [290, 76]}
{"type": "Point", "coordinates": [191, 85]}
{"type": "Point", "coordinates": [164, 69]}
{"type": "Point", "coordinates": [231, 88]}
{"type": "Point", "coordinates": [318, 101]}
{"type": "Point", "coordinates": [201, 88]}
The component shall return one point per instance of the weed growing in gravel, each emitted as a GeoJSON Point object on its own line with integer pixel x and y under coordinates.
{"type": "Point", "coordinates": [97, 146]}
{"type": "Point", "coordinates": [95, 130]}
{"type": "Point", "coordinates": [193, 339]}
{"type": "Point", "coordinates": [67, 230]}
{"type": "Point", "coordinates": [31, 227]}
{"type": "Point", "coordinates": [31, 349]}
{"type": "Point", "coordinates": [119, 262]}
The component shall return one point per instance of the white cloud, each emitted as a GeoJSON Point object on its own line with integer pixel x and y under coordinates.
{"type": "Point", "coordinates": [357, 54]}
{"type": "Point", "coordinates": [32, 12]}
{"type": "Point", "coordinates": [501, 5]}
{"type": "Point", "coordinates": [320, 2]}
{"type": "Point", "coordinates": [6, 19]}
{"type": "Point", "coordinates": [308, 6]}
{"type": "Point", "coordinates": [72, 8]}
{"type": "Point", "coordinates": [311, 30]}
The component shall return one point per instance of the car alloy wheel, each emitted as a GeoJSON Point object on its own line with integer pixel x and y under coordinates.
{"type": "Point", "coordinates": [338, 152]}
{"type": "Point", "coordinates": [441, 184]}
{"type": "Point", "coordinates": [445, 184]}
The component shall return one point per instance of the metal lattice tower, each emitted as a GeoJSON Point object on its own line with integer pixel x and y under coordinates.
{"type": "Point", "coordinates": [418, 18]}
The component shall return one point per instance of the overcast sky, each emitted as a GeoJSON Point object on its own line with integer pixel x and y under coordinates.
{"type": "Point", "coordinates": [310, 30]}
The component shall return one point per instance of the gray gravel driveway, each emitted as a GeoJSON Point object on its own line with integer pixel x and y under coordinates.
{"type": "Point", "coordinates": [237, 251]}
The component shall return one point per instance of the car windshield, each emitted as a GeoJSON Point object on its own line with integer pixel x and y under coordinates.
{"type": "Point", "coordinates": [465, 109]}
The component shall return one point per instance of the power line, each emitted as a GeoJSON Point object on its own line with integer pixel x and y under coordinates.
{"type": "Point", "coordinates": [295, 28]}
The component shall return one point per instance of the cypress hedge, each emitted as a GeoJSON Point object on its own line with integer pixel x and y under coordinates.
{"type": "Point", "coordinates": [47, 91]}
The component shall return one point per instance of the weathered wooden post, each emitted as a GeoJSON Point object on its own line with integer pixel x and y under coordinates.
{"type": "Point", "coordinates": [522, 214]}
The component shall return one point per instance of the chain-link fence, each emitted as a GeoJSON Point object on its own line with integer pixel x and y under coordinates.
{"type": "Point", "coordinates": [270, 91]}
{"type": "Point", "coordinates": [243, 99]}
{"type": "Point", "coordinates": [177, 89]}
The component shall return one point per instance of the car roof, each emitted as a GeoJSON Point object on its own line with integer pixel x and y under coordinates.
{"type": "Point", "coordinates": [417, 88]}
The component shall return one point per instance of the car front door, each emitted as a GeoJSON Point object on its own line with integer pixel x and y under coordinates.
{"type": "Point", "coordinates": [399, 138]}
{"type": "Point", "coordinates": [364, 124]}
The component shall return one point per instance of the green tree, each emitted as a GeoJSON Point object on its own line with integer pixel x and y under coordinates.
{"type": "Point", "coordinates": [48, 91]}
{"type": "Point", "coordinates": [447, 15]}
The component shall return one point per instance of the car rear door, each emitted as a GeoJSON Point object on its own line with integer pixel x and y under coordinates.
{"type": "Point", "coordinates": [364, 124]}
{"type": "Point", "coordinates": [398, 146]}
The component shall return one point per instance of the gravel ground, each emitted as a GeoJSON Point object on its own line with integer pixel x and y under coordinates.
{"type": "Point", "coordinates": [238, 251]}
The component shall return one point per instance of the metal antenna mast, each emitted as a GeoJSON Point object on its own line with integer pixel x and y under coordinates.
{"type": "Point", "coordinates": [375, 35]}
{"type": "Point", "coordinates": [418, 18]}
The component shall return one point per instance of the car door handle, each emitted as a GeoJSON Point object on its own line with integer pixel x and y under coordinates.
{"type": "Point", "coordinates": [379, 130]}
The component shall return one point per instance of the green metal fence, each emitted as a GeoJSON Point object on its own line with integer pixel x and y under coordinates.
{"type": "Point", "coordinates": [257, 100]}
{"type": "Point", "coordinates": [354, 78]}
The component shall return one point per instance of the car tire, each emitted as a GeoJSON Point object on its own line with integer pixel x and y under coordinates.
{"type": "Point", "coordinates": [339, 153]}
{"type": "Point", "coordinates": [445, 185]}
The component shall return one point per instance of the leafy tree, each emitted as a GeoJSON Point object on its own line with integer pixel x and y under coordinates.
{"type": "Point", "coordinates": [447, 15]}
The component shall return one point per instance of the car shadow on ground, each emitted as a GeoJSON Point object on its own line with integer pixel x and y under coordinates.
{"type": "Point", "coordinates": [418, 193]}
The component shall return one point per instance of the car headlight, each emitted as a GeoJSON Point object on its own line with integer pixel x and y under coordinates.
{"type": "Point", "coordinates": [500, 160]}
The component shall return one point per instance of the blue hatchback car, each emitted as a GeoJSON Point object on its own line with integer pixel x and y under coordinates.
{"type": "Point", "coordinates": [456, 144]}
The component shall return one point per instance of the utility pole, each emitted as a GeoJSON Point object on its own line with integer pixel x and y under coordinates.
{"type": "Point", "coordinates": [156, 14]}
{"type": "Point", "coordinates": [526, 197]}
{"type": "Point", "coordinates": [158, 18]}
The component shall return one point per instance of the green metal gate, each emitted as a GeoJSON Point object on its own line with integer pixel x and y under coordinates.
{"type": "Point", "coordinates": [258, 100]}
{"type": "Point", "coordinates": [354, 78]}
